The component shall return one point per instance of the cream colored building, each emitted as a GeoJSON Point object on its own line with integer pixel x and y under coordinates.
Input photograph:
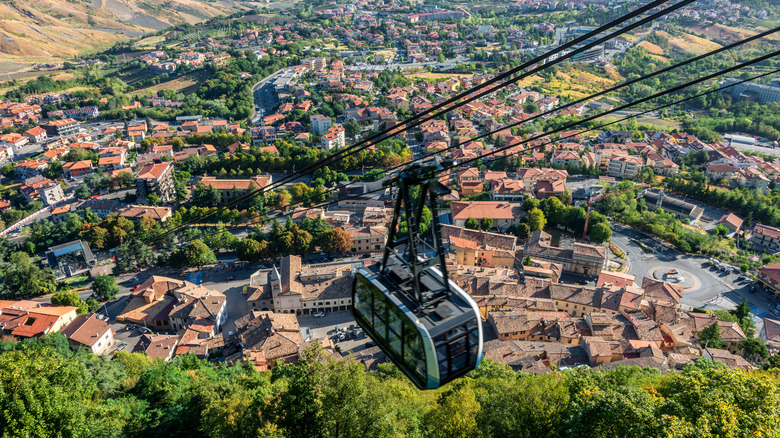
{"type": "Point", "coordinates": [367, 239]}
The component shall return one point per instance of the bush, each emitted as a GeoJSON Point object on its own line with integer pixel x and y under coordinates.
{"type": "Point", "coordinates": [617, 251]}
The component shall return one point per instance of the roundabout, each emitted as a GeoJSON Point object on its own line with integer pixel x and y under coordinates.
{"type": "Point", "coordinates": [672, 275]}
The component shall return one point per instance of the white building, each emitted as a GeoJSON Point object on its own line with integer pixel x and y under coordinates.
{"type": "Point", "coordinates": [624, 166]}
{"type": "Point", "coordinates": [88, 331]}
{"type": "Point", "coordinates": [52, 194]}
{"type": "Point", "coordinates": [320, 124]}
{"type": "Point", "coordinates": [334, 138]}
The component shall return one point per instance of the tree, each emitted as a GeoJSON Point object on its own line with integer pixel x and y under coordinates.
{"type": "Point", "coordinates": [82, 191]}
{"type": "Point", "coordinates": [754, 348]}
{"type": "Point", "coordinates": [251, 250]}
{"type": "Point", "coordinates": [48, 394]}
{"type": "Point", "coordinates": [336, 241]}
{"type": "Point", "coordinates": [133, 253]}
{"type": "Point", "coordinates": [773, 362]}
{"type": "Point", "coordinates": [486, 223]}
{"type": "Point", "coordinates": [351, 127]}
{"type": "Point", "coordinates": [523, 230]}
{"type": "Point", "coordinates": [66, 298]}
{"type": "Point", "coordinates": [745, 318]}
{"type": "Point", "coordinates": [22, 276]}
{"type": "Point", "coordinates": [720, 230]}
{"type": "Point", "coordinates": [105, 287]}
{"type": "Point", "coordinates": [530, 204]}
{"type": "Point", "coordinates": [153, 199]}
{"type": "Point", "coordinates": [710, 337]}
{"type": "Point", "coordinates": [181, 190]}
{"type": "Point", "coordinates": [204, 196]}
{"type": "Point", "coordinates": [600, 233]}
{"type": "Point", "coordinates": [455, 413]}
{"type": "Point", "coordinates": [198, 254]}
{"type": "Point", "coordinates": [374, 175]}
{"type": "Point", "coordinates": [536, 220]}
{"type": "Point", "coordinates": [472, 224]}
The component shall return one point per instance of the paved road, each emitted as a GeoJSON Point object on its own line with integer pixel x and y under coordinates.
{"type": "Point", "coordinates": [757, 148]}
{"type": "Point", "coordinates": [714, 290]}
{"type": "Point", "coordinates": [321, 328]}
{"type": "Point", "coordinates": [264, 96]}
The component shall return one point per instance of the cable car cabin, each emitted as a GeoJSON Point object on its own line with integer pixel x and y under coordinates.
{"type": "Point", "coordinates": [432, 343]}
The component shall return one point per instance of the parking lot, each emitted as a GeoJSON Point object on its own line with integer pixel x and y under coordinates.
{"type": "Point", "coordinates": [326, 327]}
{"type": "Point", "coordinates": [126, 336]}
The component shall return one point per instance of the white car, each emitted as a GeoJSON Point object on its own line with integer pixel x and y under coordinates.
{"type": "Point", "coordinates": [319, 315]}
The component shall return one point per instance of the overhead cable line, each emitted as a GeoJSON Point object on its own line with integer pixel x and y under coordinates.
{"type": "Point", "coordinates": [541, 62]}
{"type": "Point", "coordinates": [564, 128]}
{"type": "Point", "coordinates": [415, 121]}
{"type": "Point", "coordinates": [493, 152]}
{"type": "Point", "coordinates": [609, 90]}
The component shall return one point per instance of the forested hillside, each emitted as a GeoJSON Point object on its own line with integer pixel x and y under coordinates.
{"type": "Point", "coordinates": [45, 390]}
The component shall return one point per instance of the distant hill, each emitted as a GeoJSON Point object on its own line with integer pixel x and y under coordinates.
{"type": "Point", "coordinates": [45, 30]}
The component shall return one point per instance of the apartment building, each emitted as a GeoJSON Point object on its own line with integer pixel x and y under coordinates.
{"type": "Point", "coordinates": [627, 166]}
{"type": "Point", "coordinates": [61, 127]}
{"type": "Point", "coordinates": [334, 138]}
{"type": "Point", "coordinates": [320, 124]}
{"type": "Point", "coordinates": [156, 178]}
{"type": "Point", "coordinates": [767, 237]}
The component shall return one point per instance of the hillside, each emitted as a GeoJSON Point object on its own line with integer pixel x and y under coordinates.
{"type": "Point", "coordinates": [51, 30]}
{"type": "Point", "coordinates": [48, 390]}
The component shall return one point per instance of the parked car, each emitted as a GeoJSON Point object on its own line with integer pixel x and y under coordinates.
{"type": "Point", "coordinates": [230, 278]}
{"type": "Point", "coordinates": [370, 344]}
{"type": "Point", "coordinates": [319, 315]}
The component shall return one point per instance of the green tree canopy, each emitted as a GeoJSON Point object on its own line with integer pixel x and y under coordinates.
{"type": "Point", "coordinates": [711, 337]}
{"type": "Point", "coordinates": [105, 287]}
{"type": "Point", "coordinates": [536, 220]}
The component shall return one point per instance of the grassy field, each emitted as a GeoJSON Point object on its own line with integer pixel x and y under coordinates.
{"type": "Point", "coordinates": [65, 76]}
{"type": "Point", "coordinates": [150, 42]}
{"type": "Point", "coordinates": [185, 84]}
{"type": "Point", "coordinates": [385, 53]}
{"type": "Point", "coordinates": [729, 33]}
{"type": "Point", "coordinates": [689, 43]}
{"type": "Point", "coordinates": [576, 84]}
{"type": "Point", "coordinates": [653, 122]}
{"type": "Point", "coordinates": [652, 48]}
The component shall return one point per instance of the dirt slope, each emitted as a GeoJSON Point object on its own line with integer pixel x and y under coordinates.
{"type": "Point", "coordinates": [52, 30]}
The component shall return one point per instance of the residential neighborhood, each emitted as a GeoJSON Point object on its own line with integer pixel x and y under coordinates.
{"type": "Point", "coordinates": [385, 218]}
